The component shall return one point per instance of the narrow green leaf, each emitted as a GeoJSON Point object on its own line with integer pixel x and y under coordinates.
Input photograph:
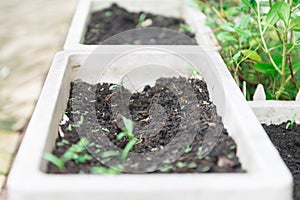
{"type": "Point", "coordinates": [121, 135]}
{"type": "Point", "coordinates": [278, 7]}
{"type": "Point", "coordinates": [243, 33]}
{"type": "Point", "coordinates": [104, 170]}
{"type": "Point", "coordinates": [284, 13]}
{"type": "Point", "coordinates": [265, 68]}
{"type": "Point", "coordinates": [247, 3]}
{"type": "Point", "coordinates": [110, 154]}
{"type": "Point", "coordinates": [142, 18]}
{"type": "Point", "coordinates": [251, 54]}
{"type": "Point", "coordinates": [295, 24]}
{"type": "Point", "coordinates": [128, 148]}
{"type": "Point", "coordinates": [228, 27]}
{"type": "Point", "coordinates": [54, 160]}
{"type": "Point", "coordinates": [226, 37]}
{"type": "Point", "coordinates": [244, 22]}
{"type": "Point", "coordinates": [128, 125]}
{"type": "Point", "coordinates": [296, 65]}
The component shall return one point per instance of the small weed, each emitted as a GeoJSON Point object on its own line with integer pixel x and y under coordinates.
{"type": "Point", "coordinates": [181, 164]}
{"type": "Point", "coordinates": [108, 14]}
{"type": "Point", "coordinates": [69, 128]}
{"type": "Point", "coordinates": [192, 70]}
{"type": "Point", "coordinates": [185, 27]}
{"type": "Point", "coordinates": [205, 169]}
{"type": "Point", "coordinates": [291, 123]}
{"type": "Point", "coordinates": [142, 18]}
{"type": "Point", "coordinates": [165, 168]}
{"type": "Point", "coordinates": [75, 152]}
{"type": "Point", "coordinates": [188, 149]}
{"type": "Point", "coordinates": [62, 143]}
{"type": "Point", "coordinates": [127, 132]}
{"type": "Point", "coordinates": [104, 170]}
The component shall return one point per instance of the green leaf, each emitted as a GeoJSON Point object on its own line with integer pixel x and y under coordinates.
{"type": "Point", "coordinates": [296, 65]}
{"type": "Point", "coordinates": [284, 13]}
{"type": "Point", "coordinates": [185, 27]}
{"type": "Point", "coordinates": [244, 22]}
{"type": "Point", "coordinates": [110, 154]}
{"type": "Point", "coordinates": [247, 3]}
{"type": "Point", "coordinates": [142, 18]}
{"type": "Point", "coordinates": [54, 160]}
{"type": "Point", "coordinates": [83, 158]}
{"type": "Point", "coordinates": [226, 37]}
{"type": "Point", "coordinates": [104, 170]}
{"type": "Point", "coordinates": [232, 11]}
{"type": "Point", "coordinates": [228, 27]}
{"type": "Point", "coordinates": [128, 125]}
{"type": "Point", "coordinates": [128, 148]}
{"type": "Point", "coordinates": [121, 135]}
{"type": "Point", "coordinates": [279, 7]}
{"type": "Point", "coordinates": [243, 33]}
{"type": "Point", "coordinates": [296, 1]}
{"type": "Point", "coordinates": [265, 68]}
{"type": "Point", "coordinates": [251, 54]}
{"type": "Point", "coordinates": [295, 24]}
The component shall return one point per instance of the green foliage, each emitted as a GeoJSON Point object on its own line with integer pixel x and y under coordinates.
{"type": "Point", "coordinates": [104, 170]}
{"type": "Point", "coordinates": [291, 123]}
{"type": "Point", "coordinates": [142, 18]}
{"type": "Point", "coordinates": [257, 46]}
{"type": "Point", "coordinates": [55, 160]}
{"type": "Point", "coordinates": [77, 153]}
{"type": "Point", "coordinates": [192, 70]}
{"type": "Point", "coordinates": [185, 27]}
{"type": "Point", "coordinates": [127, 132]}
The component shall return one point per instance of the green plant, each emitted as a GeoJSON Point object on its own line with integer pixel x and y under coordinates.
{"type": "Point", "coordinates": [192, 70]}
{"type": "Point", "coordinates": [142, 18]}
{"type": "Point", "coordinates": [257, 46]}
{"type": "Point", "coordinates": [76, 152]}
{"type": "Point", "coordinates": [291, 123]}
{"type": "Point", "coordinates": [185, 27]}
{"type": "Point", "coordinates": [127, 132]}
{"type": "Point", "coordinates": [104, 170]}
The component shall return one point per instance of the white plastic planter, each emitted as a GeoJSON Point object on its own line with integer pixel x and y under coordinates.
{"type": "Point", "coordinates": [267, 176]}
{"type": "Point", "coordinates": [276, 112]}
{"type": "Point", "coordinates": [272, 111]}
{"type": "Point", "coordinates": [173, 8]}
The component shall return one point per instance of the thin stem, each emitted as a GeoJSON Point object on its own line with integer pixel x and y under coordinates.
{"type": "Point", "coordinates": [289, 60]}
{"type": "Point", "coordinates": [296, 7]}
{"type": "Point", "coordinates": [284, 55]}
{"type": "Point", "coordinates": [218, 13]}
{"type": "Point", "coordinates": [265, 47]}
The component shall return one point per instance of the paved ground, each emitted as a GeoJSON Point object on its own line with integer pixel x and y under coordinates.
{"type": "Point", "coordinates": [31, 33]}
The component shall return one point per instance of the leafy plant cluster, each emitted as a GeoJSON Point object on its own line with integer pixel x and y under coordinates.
{"type": "Point", "coordinates": [77, 152]}
{"type": "Point", "coordinates": [259, 42]}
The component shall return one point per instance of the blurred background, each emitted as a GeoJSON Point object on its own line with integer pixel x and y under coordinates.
{"type": "Point", "coordinates": [31, 32]}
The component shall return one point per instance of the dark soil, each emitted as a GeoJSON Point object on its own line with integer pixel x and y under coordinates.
{"type": "Point", "coordinates": [106, 23]}
{"type": "Point", "coordinates": [287, 141]}
{"type": "Point", "coordinates": [85, 101]}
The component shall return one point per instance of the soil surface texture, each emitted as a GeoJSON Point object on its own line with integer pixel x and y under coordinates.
{"type": "Point", "coordinates": [108, 22]}
{"type": "Point", "coordinates": [287, 141]}
{"type": "Point", "coordinates": [164, 117]}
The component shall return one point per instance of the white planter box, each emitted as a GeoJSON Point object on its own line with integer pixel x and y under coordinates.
{"type": "Point", "coordinates": [272, 111]}
{"type": "Point", "coordinates": [267, 176]}
{"type": "Point", "coordinates": [172, 8]}
{"type": "Point", "coordinates": [275, 112]}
